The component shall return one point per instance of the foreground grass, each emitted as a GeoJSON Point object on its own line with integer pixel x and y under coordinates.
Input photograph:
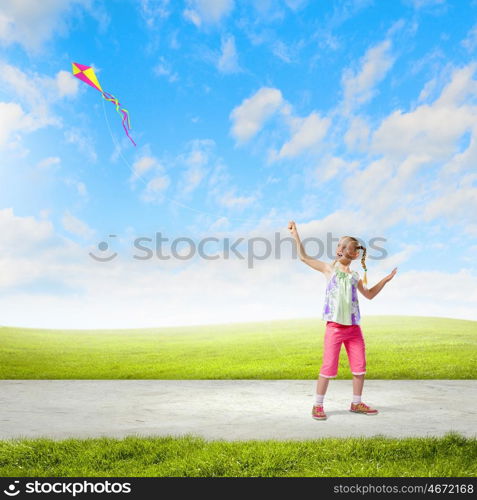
{"type": "Point", "coordinates": [450, 456]}
{"type": "Point", "coordinates": [397, 347]}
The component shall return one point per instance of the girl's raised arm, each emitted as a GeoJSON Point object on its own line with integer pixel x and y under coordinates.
{"type": "Point", "coordinates": [319, 265]}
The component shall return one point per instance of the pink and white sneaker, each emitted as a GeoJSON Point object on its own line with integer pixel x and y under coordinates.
{"type": "Point", "coordinates": [363, 408]}
{"type": "Point", "coordinates": [318, 413]}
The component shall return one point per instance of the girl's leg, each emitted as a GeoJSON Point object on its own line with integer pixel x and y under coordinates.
{"type": "Point", "coordinates": [357, 360]}
{"type": "Point", "coordinates": [356, 351]}
{"type": "Point", "coordinates": [358, 382]}
{"type": "Point", "coordinates": [322, 385]}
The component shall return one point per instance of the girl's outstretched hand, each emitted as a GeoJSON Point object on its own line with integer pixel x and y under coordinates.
{"type": "Point", "coordinates": [391, 275]}
{"type": "Point", "coordinates": [292, 228]}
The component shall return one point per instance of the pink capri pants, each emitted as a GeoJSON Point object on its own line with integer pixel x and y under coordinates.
{"type": "Point", "coordinates": [352, 337]}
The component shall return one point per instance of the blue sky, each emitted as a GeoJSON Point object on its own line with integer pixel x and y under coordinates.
{"type": "Point", "coordinates": [348, 117]}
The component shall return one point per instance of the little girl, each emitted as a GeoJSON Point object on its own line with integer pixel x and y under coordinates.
{"type": "Point", "coordinates": [341, 312]}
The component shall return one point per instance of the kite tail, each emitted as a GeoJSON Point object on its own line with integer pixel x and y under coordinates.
{"type": "Point", "coordinates": [125, 121]}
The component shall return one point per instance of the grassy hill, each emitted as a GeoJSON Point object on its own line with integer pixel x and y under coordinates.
{"type": "Point", "coordinates": [397, 347]}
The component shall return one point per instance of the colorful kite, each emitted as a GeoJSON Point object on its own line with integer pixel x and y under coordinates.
{"type": "Point", "coordinates": [86, 74]}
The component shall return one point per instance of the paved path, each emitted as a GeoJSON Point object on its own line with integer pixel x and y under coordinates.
{"type": "Point", "coordinates": [232, 409]}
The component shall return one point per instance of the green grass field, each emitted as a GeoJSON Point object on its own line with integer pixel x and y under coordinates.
{"type": "Point", "coordinates": [397, 347]}
{"type": "Point", "coordinates": [449, 456]}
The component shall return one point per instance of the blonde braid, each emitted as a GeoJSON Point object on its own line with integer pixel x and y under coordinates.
{"type": "Point", "coordinates": [363, 263]}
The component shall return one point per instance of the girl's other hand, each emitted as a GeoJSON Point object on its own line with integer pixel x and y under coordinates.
{"type": "Point", "coordinates": [390, 276]}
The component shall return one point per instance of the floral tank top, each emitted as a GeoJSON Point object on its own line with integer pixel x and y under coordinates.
{"type": "Point", "coordinates": [341, 298]}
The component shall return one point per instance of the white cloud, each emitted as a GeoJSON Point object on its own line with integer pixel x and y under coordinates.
{"type": "Point", "coordinates": [78, 185]}
{"type": "Point", "coordinates": [81, 187]}
{"type": "Point", "coordinates": [455, 202]}
{"type": "Point", "coordinates": [163, 68]}
{"type": "Point", "coordinates": [154, 10]}
{"type": "Point", "coordinates": [67, 84]}
{"type": "Point", "coordinates": [155, 188]}
{"type": "Point", "coordinates": [36, 94]}
{"type": "Point", "coordinates": [14, 122]}
{"type": "Point", "coordinates": [152, 173]}
{"type": "Point", "coordinates": [22, 235]}
{"type": "Point", "coordinates": [249, 117]}
{"type": "Point", "coordinates": [428, 89]}
{"type": "Point", "coordinates": [222, 191]}
{"type": "Point", "coordinates": [425, 162]}
{"type": "Point", "coordinates": [331, 166]}
{"type": "Point", "coordinates": [32, 22]}
{"type": "Point", "coordinates": [230, 200]}
{"type": "Point", "coordinates": [338, 223]}
{"type": "Point", "coordinates": [82, 141]}
{"type": "Point", "coordinates": [264, 12]}
{"type": "Point", "coordinates": [228, 60]}
{"type": "Point", "coordinates": [419, 4]}
{"type": "Point", "coordinates": [463, 161]}
{"type": "Point", "coordinates": [426, 293]}
{"type": "Point", "coordinates": [196, 161]}
{"type": "Point", "coordinates": [127, 293]}
{"type": "Point", "coordinates": [199, 152]}
{"type": "Point", "coordinates": [221, 222]}
{"type": "Point", "coordinates": [460, 88]}
{"type": "Point", "coordinates": [49, 163]}
{"type": "Point", "coordinates": [287, 52]}
{"type": "Point", "coordinates": [33, 90]}
{"type": "Point", "coordinates": [387, 189]}
{"type": "Point", "coordinates": [296, 4]}
{"type": "Point", "coordinates": [192, 179]}
{"type": "Point", "coordinates": [359, 86]}
{"type": "Point", "coordinates": [431, 129]}
{"type": "Point", "coordinates": [357, 135]}
{"type": "Point", "coordinates": [470, 41]}
{"type": "Point", "coordinates": [142, 165]}
{"type": "Point", "coordinates": [76, 226]}
{"type": "Point", "coordinates": [207, 12]}
{"type": "Point", "coordinates": [282, 51]}
{"type": "Point", "coordinates": [308, 132]}
{"type": "Point", "coordinates": [193, 17]}
{"type": "Point", "coordinates": [198, 166]}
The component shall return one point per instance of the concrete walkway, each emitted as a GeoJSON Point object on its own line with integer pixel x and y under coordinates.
{"type": "Point", "coordinates": [232, 409]}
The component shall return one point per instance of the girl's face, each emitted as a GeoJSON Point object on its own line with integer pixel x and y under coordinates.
{"type": "Point", "coordinates": [349, 251]}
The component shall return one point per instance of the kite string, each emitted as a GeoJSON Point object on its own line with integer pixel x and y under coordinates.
{"type": "Point", "coordinates": [182, 205]}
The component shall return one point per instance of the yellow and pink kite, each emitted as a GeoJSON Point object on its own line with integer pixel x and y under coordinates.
{"type": "Point", "coordinates": [87, 75]}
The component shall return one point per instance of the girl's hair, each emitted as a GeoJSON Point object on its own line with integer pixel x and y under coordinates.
{"type": "Point", "coordinates": [345, 240]}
